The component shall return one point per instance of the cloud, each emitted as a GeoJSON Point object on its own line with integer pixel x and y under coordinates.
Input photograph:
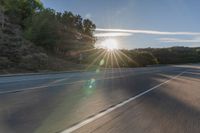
{"type": "Point", "coordinates": [113, 34]}
{"type": "Point", "coordinates": [124, 32]}
{"type": "Point", "coordinates": [151, 32]}
{"type": "Point", "coordinates": [178, 40]}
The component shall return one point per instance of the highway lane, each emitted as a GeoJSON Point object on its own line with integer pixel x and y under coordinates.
{"type": "Point", "coordinates": [61, 101]}
{"type": "Point", "coordinates": [173, 107]}
{"type": "Point", "coordinates": [14, 83]}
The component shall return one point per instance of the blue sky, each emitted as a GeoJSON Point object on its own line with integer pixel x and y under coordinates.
{"type": "Point", "coordinates": [139, 23]}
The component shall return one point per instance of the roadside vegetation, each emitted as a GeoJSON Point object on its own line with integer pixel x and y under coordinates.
{"type": "Point", "coordinates": [35, 38]}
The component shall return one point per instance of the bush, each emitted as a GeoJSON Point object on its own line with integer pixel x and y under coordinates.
{"type": "Point", "coordinates": [34, 62]}
{"type": "Point", "coordinates": [5, 63]}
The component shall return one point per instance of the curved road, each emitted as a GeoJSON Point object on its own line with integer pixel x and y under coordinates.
{"type": "Point", "coordinates": [151, 100]}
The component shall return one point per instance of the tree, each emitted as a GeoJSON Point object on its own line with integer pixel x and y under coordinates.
{"type": "Point", "coordinates": [2, 16]}
{"type": "Point", "coordinates": [88, 30]}
{"type": "Point", "coordinates": [43, 29]}
{"type": "Point", "coordinates": [19, 10]}
{"type": "Point", "coordinates": [61, 32]}
{"type": "Point", "coordinates": [88, 27]}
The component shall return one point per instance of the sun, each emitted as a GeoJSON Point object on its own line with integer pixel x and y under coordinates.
{"type": "Point", "coordinates": [110, 44]}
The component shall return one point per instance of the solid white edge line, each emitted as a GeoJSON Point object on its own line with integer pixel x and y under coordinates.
{"type": "Point", "coordinates": [89, 120]}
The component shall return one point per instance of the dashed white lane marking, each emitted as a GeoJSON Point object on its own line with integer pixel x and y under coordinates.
{"type": "Point", "coordinates": [89, 120]}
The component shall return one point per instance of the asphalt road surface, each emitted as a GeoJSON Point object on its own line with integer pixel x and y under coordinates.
{"type": "Point", "coordinates": [140, 100]}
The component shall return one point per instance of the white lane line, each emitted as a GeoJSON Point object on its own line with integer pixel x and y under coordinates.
{"type": "Point", "coordinates": [69, 83]}
{"type": "Point", "coordinates": [194, 73]}
{"type": "Point", "coordinates": [43, 77]}
{"type": "Point", "coordinates": [52, 84]}
{"type": "Point", "coordinates": [28, 79]}
{"type": "Point", "coordinates": [89, 120]}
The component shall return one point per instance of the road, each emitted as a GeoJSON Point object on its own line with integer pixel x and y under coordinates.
{"type": "Point", "coordinates": [141, 100]}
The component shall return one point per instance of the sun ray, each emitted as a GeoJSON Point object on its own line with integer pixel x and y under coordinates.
{"type": "Point", "coordinates": [119, 56]}
{"type": "Point", "coordinates": [128, 58]}
{"type": "Point", "coordinates": [117, 63]}
{"type": "Point", "coordinates": [96, 59]}
{"type": "Point", "coordinates": [87, 50]}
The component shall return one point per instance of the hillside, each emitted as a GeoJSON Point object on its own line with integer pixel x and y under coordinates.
{"type": "Point", "coordinates": [16, 53]}
{"type": "Point", "coordinates": [20, 55]}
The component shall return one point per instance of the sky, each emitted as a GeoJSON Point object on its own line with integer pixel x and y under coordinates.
{"type": "Point", "coordinates": [139, 23]}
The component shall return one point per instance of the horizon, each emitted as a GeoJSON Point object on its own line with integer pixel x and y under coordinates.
{"type": "Point", "coordinates": [139, 24]}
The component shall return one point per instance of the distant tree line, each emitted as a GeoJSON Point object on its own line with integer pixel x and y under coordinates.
{"type": "Point", "coordinates": [120, 58]}
{"type": "Point", "coordinates": [175, 55]}
{"type": "Point", "coordinates": [171, 55]}
{"type": "Point", "coordinates": [145, 57]}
